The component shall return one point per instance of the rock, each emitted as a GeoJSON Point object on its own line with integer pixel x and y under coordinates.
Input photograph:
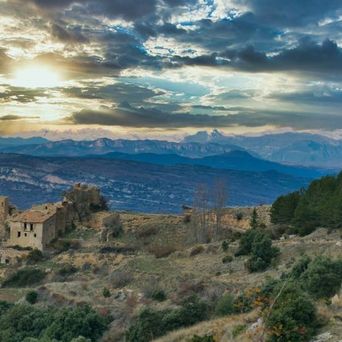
{"type": "Point", "coordinates": [323, 337]}
{"type": "Point", "coordinates": [120, 296]}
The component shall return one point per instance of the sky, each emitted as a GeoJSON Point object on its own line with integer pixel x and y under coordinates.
{"type": "Point", "coordinates": [128, 68]}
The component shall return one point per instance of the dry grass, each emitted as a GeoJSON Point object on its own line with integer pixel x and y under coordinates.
{"type": "Point", "coordinates": [222, 329]}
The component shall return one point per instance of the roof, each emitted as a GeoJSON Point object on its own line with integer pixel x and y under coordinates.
{"type": "Point", "coordinates": [34, 216]}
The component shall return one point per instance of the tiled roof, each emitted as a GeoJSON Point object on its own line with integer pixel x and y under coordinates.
{"type": "Point", "coordinates": [33, 216]}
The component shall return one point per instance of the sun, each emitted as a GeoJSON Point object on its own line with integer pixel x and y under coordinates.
{"type": "Point", "coordinates": [36, 76]}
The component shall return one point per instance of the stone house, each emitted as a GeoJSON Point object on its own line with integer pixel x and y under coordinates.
{"type": "Point", "coordinates": [40, 225]}
{"type": "Point", "coordinates": [33, 228]}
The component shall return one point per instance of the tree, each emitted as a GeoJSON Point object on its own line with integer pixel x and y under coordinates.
{"type": "Point", "coordinates": [254, 223]}
{"type": "Point", "coordinates": [283, 209]}
{"type": "Point", "coordinates": [292, 318]}
{"type": "Point", "coordinates": [262, 253]}
{"type": "Point", "coordinates": [200, 214]}
{"type": "Point", "coordinates": [220, 197]}
{"type": "Point", "coordinates": [323, 277]}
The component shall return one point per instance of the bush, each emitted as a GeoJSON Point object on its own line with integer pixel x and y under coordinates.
{"type": "Point", "coordinates": [106, 293]}
{"type": "Point", "coordinates": [35, 256]}
{"type": "Point", "coordinates": [292, 318]}
{"type": "Point", "coordinates": [227, 258]}
{"type": "Point", "coordinates": [206, 338]}
{"type": "Point", "coordinates": [25, 277]}
{"type": "Point", "coordinates": [67, 269]}
{"type": "Point", "coordinates": [197, 250]}
{"type": "Point", "coordinates": [262, 254]}
{"type": "Point", "coordinates": [161, 251]}
{"type": "Point", "coordinates": [65, 245]}
{"type": "Point", "coordinates": [120, 279]}
{"type": "Point", "coordinates": [145, 328]}
{"type": "Point", "coordinates": [323, 277]}
{"type": "Point", "coordinates": [258, 244]}
{"type": "Point", "coordinates": [32, 297]}
{"type": "Point", "coordinates": [239, 216]}
{"type": "Point", "coordinates": [147, 232]}
{"type": "Point", "coordinates": [246, 242]}
{"type": "Point", "coordinates": [225, 245]}
{"type": "Point", "coordinates": [159, 295]}
{"type": "Point", "coordinates": [225, 305]}
{"type": "Point", "coordinates": [25, 323]}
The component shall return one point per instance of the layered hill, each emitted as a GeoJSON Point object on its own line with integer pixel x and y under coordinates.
{"type": "Point", "coordinates": [135, 185]}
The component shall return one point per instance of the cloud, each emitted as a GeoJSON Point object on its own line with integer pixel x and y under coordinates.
{"type": "Point", "coordinates": [128, 116]}
{"type": "Point", "coordinates": [66, 35]}
{"type": "Point", "coordinates": [21, 95]}
{"type": "Point", "coordinates": [291, 12]}
{"type": "Point", "coordinates": [16, 117]}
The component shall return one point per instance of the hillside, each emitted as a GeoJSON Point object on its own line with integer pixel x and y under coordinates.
{"type": "Point", "coordinates": [137, 186]}
{"type": "Point", "coordinates": [132, 268]}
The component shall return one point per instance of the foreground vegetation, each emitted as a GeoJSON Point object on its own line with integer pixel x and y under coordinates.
{"type": "Point", "coordinates": [139, 287]}
{"type": "Point", "coordinates": [25, 323]}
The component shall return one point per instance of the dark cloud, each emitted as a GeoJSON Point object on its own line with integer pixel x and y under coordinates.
{"type": "Point", "coordinates": [22, 95]}
{"type": "Point", "coordinates": [292, 12]}
{"type": "Point", "coordinates": [128, 116]}
{"type": "Point", "coordinates": [67, 35]}
{"type": "Point", "coordinates": [16, 117]}
{"type": "Point", "coordinates": [307, 56]}
{"type": "Point", "coordinates": [118, 92]}
{"type": "Point", "coordinates": [315, 97]}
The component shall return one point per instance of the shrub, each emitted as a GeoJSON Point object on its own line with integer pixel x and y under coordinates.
{"type": "Point", "coordinates": [262, 254]}
{"type": "Point", "coordinates": [206, 338]}
{"type": "Point", "coordinates": [25, 277]}
{"type": "Point", "coordinates": [300, 267]}
{"type": "Point", "coordinates": [159, 295]}
{"type": "Point", "coordinates": [145, 328]}
{"type": "Point", "coordinates": [323, 277]}
{"type": "Point", "coordinates": [106, 293]}
{"type": "Point", "coordinates": [197, 250]}
{"type": "Point", "coordinates": [65, 245]}
{"type": "Point", "coordinates": [246, 242]}
{"type": "Point", "coordinates": [161, 251]}
{"type": "Point", "coordinates": [292, 318]}
{"type": "Point", "coordinates": [26, 323]}
{"type": "Point", "coordinates": [254, 222]}
{"type": "Point", "coordinates": [120, 279]}
{"type": "Point", "coordinates": [35, 256]}
{"type": "Point", "coordinates": [227, 258]}
{"type": "Point", "coordinates": [113, 225]}
{"type": "Point", "coordinates": [67, 269]}
{"type": "Point", "coordinates": [225, 305]}
{"type": "Point", "coordinates": [147, 232]}
{"type": "Point", "coordinates": [31, 297]}
{"type": "Point", "coordinates": [239, 216]}
{"type": "Point", "coordinates": [225, 245]}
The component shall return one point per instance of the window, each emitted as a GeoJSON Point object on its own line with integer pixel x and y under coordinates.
{"type": "Point", "coordinates": [25, 234]}
{"type": "Point", "coordinates": [19, 234]}
{"type": "Point", "coordinates": [31, 227]}
{"type": "Point", "coordinates": [25, 225]}
{"type": "Point", "coordinates": [35, 235]}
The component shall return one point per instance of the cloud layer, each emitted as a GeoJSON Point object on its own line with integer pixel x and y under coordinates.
{"type": "Point", "coordinates": [173, 64]}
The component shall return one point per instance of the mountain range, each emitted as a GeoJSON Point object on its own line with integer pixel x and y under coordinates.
{"type": "Point", "coordinates": [292, 148]}
{"type": "Point", "coordinates": [161, 176]}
